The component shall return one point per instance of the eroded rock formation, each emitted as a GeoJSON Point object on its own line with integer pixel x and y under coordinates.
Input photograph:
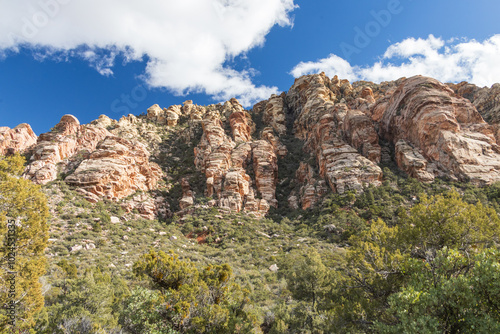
{"type": "Point", "coordinates": [447, 129]}
{"type": "Point", "coordinates": [318, 121]}
{"type": "Point", "coordinates": [53, 148]}
{"type": "Point", "coordinates": [18, 139]}
{"type": "Point", "coordinates": [117, 168]}
{"type": "Point", "coordinates": [346, 130]}
{"type": "Point", "coordinates": [311, 189]}
{"type": "Point", "coordinates": [225, 159]}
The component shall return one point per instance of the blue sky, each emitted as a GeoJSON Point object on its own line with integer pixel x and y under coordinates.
{"type": "Point", "coordinates": [92, 57]}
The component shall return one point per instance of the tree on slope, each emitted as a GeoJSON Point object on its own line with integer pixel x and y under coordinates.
{"type": "Point", "coordinates": [23, 239]}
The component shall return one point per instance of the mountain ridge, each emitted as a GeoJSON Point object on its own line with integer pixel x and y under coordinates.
{"type": "Point", "coordinates": [327, 134]}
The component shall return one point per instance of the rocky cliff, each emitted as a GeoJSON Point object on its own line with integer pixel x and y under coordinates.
{"type": "Point", "coordinates": [18, 139]}
{"type": "Point", "coordinates": [330, 135]}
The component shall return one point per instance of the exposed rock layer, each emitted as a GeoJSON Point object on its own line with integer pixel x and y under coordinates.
{"type": "Point", "coordinates": [318, 121]}
{"type": "Point", "coordinates": [429, 129]}
{"type": "Point", "coordinates": [117, 168]}
{"type": "Point", "coordinates": [226, 159]}
{"type": "Point", "coordinates": [18, 139]}
{"type": "Point", "coordinates": [54, 148]}
{"type": "Point", "coordinates": [447, 129]}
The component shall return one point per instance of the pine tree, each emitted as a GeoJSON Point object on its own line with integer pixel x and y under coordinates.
{"type": "Point", "coordinates": [23, 239]}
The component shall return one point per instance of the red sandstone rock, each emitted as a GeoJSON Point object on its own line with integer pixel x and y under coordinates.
{"type": "Point", "coordinates": [67, 138]}
{"type": "Point", "coordinates": [361, 134]}
{"type": "Point", "coordinates": [117, 168]}
{"type": "Point", "coordinates": [447, 129]}
{"type": "Point", "coordinates": [18, 139]}
{"type": "Point", "coordinates": [312, 99]}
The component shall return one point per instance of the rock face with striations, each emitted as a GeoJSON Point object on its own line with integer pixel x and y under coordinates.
{"type": "Point", "coordinates": [273, 112]}
{"type": "Point", "coordinates": [445, 129]}
{"type": "Point", "coordinates": [225, 160]}
{"type": "Point", "coordinates": [343, 132]}
{"type": "Point", "coordinates": [316, 102]}
{"type": "Point", "coordinates": [486, 100]}
{"type": "Point", "coordinates": [311, 189]}
{"type": "Point", "coordinates": [117, 168]}
{"type": "Point", "coordinates": [54, 148]}
{"type": "Point", "coordinates": [18, 139]}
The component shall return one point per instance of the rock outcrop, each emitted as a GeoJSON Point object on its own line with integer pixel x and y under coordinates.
{"type": "Point", "coordinates": [147, 206]}
{"type": "Point", "coordinates": [155, 113]}
{"type": "Point", "coordinates": [343, 132]}
{"type": "Point", "coordinates": [164, 116]}
{"type": "Point", "coordinates": [187, 199]}
{"type": "Point", "coordinates": [273, 113]}
{"type": "Point", "coordinates": [447, 129]}
{"type": "Point", "coordinates": [225, 161]}
{"type": "Point", "coordinates": [311, 189]}
{"type": "Point", "coordinates": [410, 160]}
{"type": "Point", "coordinates": [486, 100]}
{"type": "Point", "coordinates": [361, 134]}
{"type": "Point", "coordinates": [117, 168]}
{"type": "Point", "coordinates": [18, 139]}
{"type": "Point", "coordinates": [54, 148]}
{"type": "Point", "coordinates": [318, 121]}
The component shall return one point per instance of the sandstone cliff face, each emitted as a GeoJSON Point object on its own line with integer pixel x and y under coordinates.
{"type": "Point", "coordinates": [360, 133]}
{"type": "Point", "coordinates": [486, 100]}
{"type": "Point", "coordinates": [117, 168]}
{"type": "Point", "coordinates": [273, 113]}
{"type": "Point", "coordinates": [410, 160]}
{"type": "Point", "coordinates": [318, 121]}
{"type": "Point", "coordinates": [53, 148]}
{"type": "Point", "coordinates": [311, 189]}
{"type": "Point", "coordinates": [447, 129]}
{"type": "Point", "coordinates": [226, 159]}
{"type": "Point", "coordinates": [99, 164]}
{"type": "Point", "coordinates": [18, 139]}
{"type": "Point", "coordinates": [432, 130]}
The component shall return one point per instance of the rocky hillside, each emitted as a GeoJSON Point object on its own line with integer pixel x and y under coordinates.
{"type": "Point", "coordinates": [324, 135]}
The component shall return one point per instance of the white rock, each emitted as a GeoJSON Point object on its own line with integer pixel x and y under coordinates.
{"type": "Point", "coordinates": [274, 268]}
{"type": "Point", "coordinates": [76, 248]}
{"type": "Point", "coordinates": [114, 220]}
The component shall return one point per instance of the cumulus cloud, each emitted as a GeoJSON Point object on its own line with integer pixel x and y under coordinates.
{"type": "Point", "coordinates": [331, 64]}
{"type": "Point", "coordinates": [187, 43]}
{"type": "Point", "coordinates": [448, 61]}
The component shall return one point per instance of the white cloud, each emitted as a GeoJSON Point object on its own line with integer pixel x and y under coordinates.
{"type": "Point", "coordinates": [447, 61]}
{"type": "Point", "coordinates": [187, 42]}
{"type": "Point", "coordinates": [341, 67]}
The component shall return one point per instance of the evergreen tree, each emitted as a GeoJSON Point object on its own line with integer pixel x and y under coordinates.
{"type": "Point", "coordinates": [192, 301]}
{"type": "Point", "coordinates": [23, 239]}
